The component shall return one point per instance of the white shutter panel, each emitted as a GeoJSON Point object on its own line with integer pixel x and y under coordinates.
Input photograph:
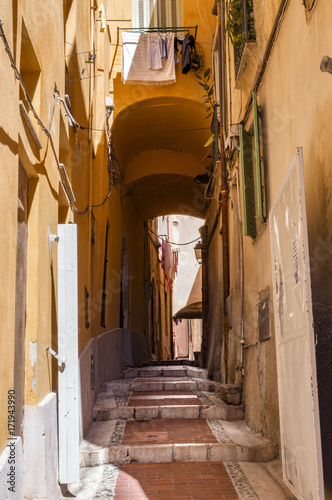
{"type": "Point", "coordinates": [140, 13]}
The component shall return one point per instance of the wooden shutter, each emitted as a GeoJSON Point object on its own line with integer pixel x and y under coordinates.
{"type": "Point", "coordinates": [163, 13]}
{"type": "Point", "coordinates": [259, 184]}
{"type": "Point", "coordinates": [174, 12]}
{"type": "Point", "coordinates": [247, 176]}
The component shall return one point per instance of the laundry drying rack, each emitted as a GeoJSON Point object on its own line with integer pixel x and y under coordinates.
{"type": "Point", "coordinates": [167, 29]}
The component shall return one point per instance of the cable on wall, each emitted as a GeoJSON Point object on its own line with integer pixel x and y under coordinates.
{"type": "Point", "coordinates": [71, 119]}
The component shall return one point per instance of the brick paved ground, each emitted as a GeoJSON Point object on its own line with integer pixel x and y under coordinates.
{"type": "Point", "coordinates": [168, 431]}
{"type": "Point", "coordinates": [175, 481]}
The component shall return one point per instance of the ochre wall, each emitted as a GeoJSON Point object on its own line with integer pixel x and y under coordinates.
{"type": "Point", "coordinates": [295, 99]}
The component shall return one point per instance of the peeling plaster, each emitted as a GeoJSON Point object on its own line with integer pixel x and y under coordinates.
{"type": "Point", "coordinates": [33, 362]}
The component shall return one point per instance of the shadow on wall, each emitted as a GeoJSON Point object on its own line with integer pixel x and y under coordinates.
{"type": "Point", "coordinates": [103, 360]}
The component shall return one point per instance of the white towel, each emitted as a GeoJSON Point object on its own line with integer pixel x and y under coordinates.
{"type": "Point", "coordinates": [135, 69]}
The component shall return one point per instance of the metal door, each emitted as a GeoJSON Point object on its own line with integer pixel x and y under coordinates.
{"type": "Point", "coordinates": [298, 397]}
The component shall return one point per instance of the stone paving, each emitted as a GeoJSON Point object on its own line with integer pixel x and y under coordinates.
{"type": "Point", "coordinates": [162, 432]}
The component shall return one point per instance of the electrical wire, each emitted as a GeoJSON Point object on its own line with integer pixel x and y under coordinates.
{"type": "Point", "coordinates": [160, 131]}
{"type": "Point", "coordinates": [171, 242]}
{"type": "Point", "coordinates": [42, 126]}
{"type": "Point", "coordinates": [168, 182]}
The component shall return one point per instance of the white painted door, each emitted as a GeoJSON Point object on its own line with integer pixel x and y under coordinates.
{"type": "Point", "coordinates": [68, 376]}
{"type": "Point", "coordinates": [298, 398]}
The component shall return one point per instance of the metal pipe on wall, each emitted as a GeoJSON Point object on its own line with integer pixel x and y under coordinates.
{"type": "Point", "coordinates": [224, 186]}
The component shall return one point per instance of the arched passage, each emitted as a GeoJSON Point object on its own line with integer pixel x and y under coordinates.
{"type": "Point", "coordinates": [159, 143]}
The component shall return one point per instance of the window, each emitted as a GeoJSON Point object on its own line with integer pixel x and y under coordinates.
{"type": "Point", "coordinates": [145, 13]}
{"type": "Point", "coordinates": [252, 176]}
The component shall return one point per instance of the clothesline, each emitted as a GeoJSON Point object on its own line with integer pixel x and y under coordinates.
{"type": "Point", "coordinates": [149, 58]}
{"type": "Point", "coordinates": [161, 236]}
{"type": "Point", "coordinates": [167, 29]}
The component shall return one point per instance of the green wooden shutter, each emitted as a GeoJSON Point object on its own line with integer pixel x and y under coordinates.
{"type": "Point", "coordinates": [248, 188]}
{"type": "Point", "coordinates": [259, 187]}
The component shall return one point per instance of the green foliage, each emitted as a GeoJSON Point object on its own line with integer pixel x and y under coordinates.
{"type": "Point", "coordinates": [234, 21]}
{"type": "Point", "coordinates": [208, 92]}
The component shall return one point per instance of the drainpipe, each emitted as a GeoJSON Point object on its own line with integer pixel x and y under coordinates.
{"type": "Point", "coordinates": [224, 186]}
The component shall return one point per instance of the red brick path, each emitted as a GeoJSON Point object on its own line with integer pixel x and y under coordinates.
{"type": "Point", "coordinates": [168, 431]}
{"type": "Point", "coordinates": [175, 481]}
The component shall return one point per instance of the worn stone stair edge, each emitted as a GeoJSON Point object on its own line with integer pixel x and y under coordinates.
{"type": "Point", "coordinates": [230, 413]}
{"type": "Point", "coordinates": [165, 453]}
{"type": "Point", "coordinates": [132, 384]}
{"type": "Point", "coordinates": [174, 362]}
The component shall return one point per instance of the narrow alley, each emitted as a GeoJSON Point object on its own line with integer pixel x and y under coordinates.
{"type": "Point", "coordinates": [165, 249]}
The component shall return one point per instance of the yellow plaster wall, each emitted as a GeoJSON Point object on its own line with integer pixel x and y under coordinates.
{"type": "Point", "coordinates": [48, 32]}
{"type": "Point", "coordinates": [8, 210]}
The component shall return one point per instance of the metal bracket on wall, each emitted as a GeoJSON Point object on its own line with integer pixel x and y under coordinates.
{"type": "Point", "coordinates": [61, 362]}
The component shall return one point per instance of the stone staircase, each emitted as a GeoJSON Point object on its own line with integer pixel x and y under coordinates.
{"type": "Point", "coordinates": [169, 413]}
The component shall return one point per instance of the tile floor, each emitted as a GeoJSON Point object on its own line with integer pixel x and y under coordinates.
{"type": "Point", "coordinates": [168, 431]}
{"type": "Point", "coordinates": [175, 481]}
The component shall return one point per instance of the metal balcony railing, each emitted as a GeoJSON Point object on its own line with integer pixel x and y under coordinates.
{"type": "Point", "coordinates": [246, 32]}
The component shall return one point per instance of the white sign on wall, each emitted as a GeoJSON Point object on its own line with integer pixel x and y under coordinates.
{"type": "Point", "coordinates": [296, 360]}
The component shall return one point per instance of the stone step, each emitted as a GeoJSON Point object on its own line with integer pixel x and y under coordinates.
{"type": "Point", "coordinates": [170, 362]}
{"type": "Point", "coordinates": [160, 384]}
{"type": "Point", "coordinates": [230, 441]}
{"type": "Point", "coordinates": [225, 412]}
{"type": "Point", "coordinates": [231, 393]}
{"type": "Point", "coordinates": [165, 371]}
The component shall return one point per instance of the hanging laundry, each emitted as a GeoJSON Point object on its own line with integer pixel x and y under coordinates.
{"type": "Point", "coordinates": [175, 263]}
{"type": "Point", "coordinates": [186, 66]}
{"type": "Point", "coordinates": [176, 50]}
{"type": "Point", "coordinates": [135, 70]}
{"type": "Point", "coordinates": [155, 53]}
{"type": "Point", "coordinates": [164, 42]}
{"type": "Point", "coordinates": [163, 252]}
{"type": "Point", "coordinates": [102, 17]}
{"type": "Point", "coordinates": [168, 260]}
{"type": "Point", "coordinates": [188, 48]}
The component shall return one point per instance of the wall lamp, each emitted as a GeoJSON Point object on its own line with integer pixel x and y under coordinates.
{"type": "Point", "coordinates": [109, 105]}
{"type": "Point", "coordinates": [198, 249]}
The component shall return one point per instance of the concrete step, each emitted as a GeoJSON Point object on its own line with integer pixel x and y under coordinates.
{"type": "Point", "coordinates": [160, 384]}
{"type": "Point", "coordinates": [170, 362]}
{"type": "Point", "coordinates": [231, 393]}
{"type": "Point", "coordinates": [165, 371]}
{"type": "Point", "coordinates": [106, 408]}
{"type": "Point", "coordinates": [230, 441]}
